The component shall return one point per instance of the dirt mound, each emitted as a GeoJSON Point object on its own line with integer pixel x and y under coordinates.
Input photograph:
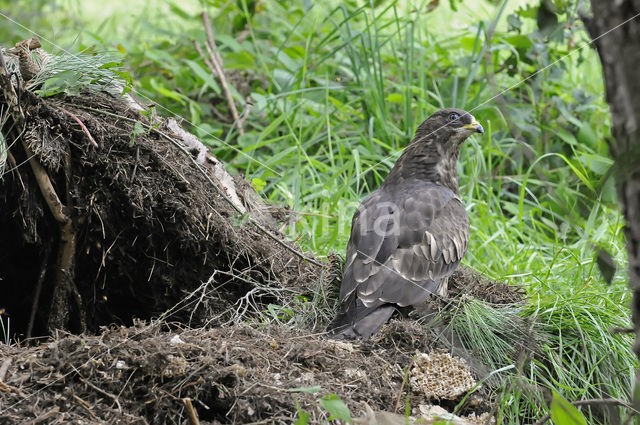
{"type": "Point", "coordinates": [140, 375]}
{"type": "Point", "coordinates": [141, 223]}
{"type": "Point", "coordinates": [234, 374]}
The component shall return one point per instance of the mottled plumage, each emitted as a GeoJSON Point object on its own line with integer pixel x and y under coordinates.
{"type": "Point", "coordinates": [409, 235]}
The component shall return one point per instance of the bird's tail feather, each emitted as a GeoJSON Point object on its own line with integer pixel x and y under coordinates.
{"type": "Point", "coordinates": [358, 321]}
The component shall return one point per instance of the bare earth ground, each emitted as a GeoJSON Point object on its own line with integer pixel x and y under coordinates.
{"type": "Point", "coordinates": [236, 374]}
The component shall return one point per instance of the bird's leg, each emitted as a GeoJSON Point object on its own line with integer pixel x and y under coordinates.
{"type": "Point", "coordinates": [442, 289]}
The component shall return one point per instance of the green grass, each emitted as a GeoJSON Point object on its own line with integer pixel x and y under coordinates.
{"type": "Point", "coordinates": [338, 91]}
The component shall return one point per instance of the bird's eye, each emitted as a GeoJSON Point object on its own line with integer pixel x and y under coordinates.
{"type": "Point", "coordinates": [453, 116]}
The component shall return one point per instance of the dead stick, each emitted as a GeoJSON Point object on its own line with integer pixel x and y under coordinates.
{"type": "Point", "coordinates": [191, 412]}
{"type": "Point", "coordinates": [216, 61]}
{"type": "Point", "coordinates": [11, 389]}
{"type": "Point", "coordinates": [70, 235]}
{"type": "Point", "coordinates": [101, 391]}
{"type": "Point", "coordinates": [4, 368]}
{"type": "Point", "coordinates": [46, 188]}
{"type": "Point", "coordinates": [44, 416]}
{"type": "Point", "coordinates": [595, 401]}
{"type": "Point", "coordinates": [620, 330]}
{"type": "Point", "coordinates": [204, 57]}
{"type": "Point", "coordinates": [214, 67]}
{"type": "Point", "coordinates": [86, 406]}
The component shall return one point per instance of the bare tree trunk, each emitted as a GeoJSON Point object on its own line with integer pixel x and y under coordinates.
{"type": "Point", "coordinates": [619, 52]}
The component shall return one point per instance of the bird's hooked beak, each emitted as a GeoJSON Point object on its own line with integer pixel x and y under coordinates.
{"type": "Point", "coordinates": [474, 126]}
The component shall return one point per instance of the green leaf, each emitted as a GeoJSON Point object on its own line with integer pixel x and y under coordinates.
{"type": "Point", "coordinates": [467, 42]}
{"type": "Point", "coordinates": [137, 131]}
{"type": "Point", "coordinates": [230, 42]}
{"type": "Point", "coordinates": [596, 163]}
{"type": "Point", "coordinates": [177, 10]}
{"type": "Point", "coordinates": [60, 82]}
{"type": "Point", "coordinates": [241, 60]}
{"type": "Point", "coordinates": [258, 184]}
{"type": "Point", "coordinates": [586, 135]}
{"type": "Point", "coordinates": [395, 98]}
{"type": "Point", "coordinates": [566, 136]}
{"type": "Point", "coordinates": [303, 417]}
{"type": "Point", "coordinates": [171, 94]}
{"type": "Point", "coordinates": [335, 407]}
{"type": "Point", "coordinates": [521, 42]}
{"type": "Point", "coordinates": [564, 413]}
{"type": "Point", "coordinates": [108, 65]}
{"type": "Point", "coordinates": [514, 21]}
{"type": "Point", "coordinates": [203, 74]}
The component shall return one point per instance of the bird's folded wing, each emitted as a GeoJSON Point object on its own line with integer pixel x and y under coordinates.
{"type": "Point", "coordinates": [399, 252]}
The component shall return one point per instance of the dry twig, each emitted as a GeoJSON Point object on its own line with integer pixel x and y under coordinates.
{"type": "Point", "coordinates": [11, 389]}
{"type": "Point", "coordinates": [4, 368]}
{"type": "Point", "coordinates": [45, 416]}
{"type": "Point", "coordinates": [215, 65]}
{"type": "Point", "coordinates": [85, 405]}
{"type": "Point", "coordinates": [191, 412]}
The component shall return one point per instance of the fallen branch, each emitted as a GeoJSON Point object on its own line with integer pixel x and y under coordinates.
{"type": "Point", "coordinates": [64, 286]}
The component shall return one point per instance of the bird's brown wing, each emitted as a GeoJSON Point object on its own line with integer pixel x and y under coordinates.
{"type": "Point", "coordinates": [403, 243]}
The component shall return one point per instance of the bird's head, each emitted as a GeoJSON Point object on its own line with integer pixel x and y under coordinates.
{"type": "Point", "coordinates": [449, 126]}
{"type": "Point", "coordinates": [434, 151]}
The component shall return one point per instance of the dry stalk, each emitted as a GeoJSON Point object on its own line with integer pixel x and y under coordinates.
{"type": "Point", "coordinates": [216, 65]}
